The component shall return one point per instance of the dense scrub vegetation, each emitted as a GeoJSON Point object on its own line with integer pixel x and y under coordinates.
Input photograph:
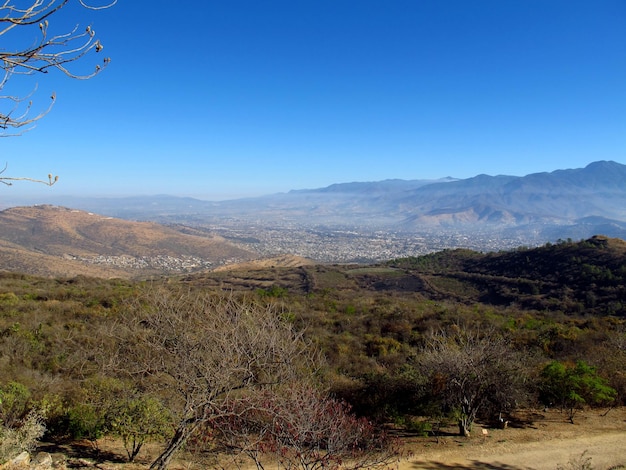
{"type": "Point", "coordinates": [452, 336]}
{"type": "Point", "coordinates": [572, 277]}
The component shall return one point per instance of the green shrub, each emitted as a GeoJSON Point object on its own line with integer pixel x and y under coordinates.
{"type": "Point", "coordinates": [86, 421]}
{"type": "Point", "coordinates": [90, 417]}
{"type": "Point", "coordinates": [274, 292]}
{"type": "Point", "coordinates": [138, 420]}
{"type": "Point", "coordinates": [14, 400]}
{"type": "Point", "coordinates": [415, 425]}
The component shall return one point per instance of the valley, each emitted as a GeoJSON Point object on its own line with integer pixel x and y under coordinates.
{"type": "Point", "coordinates": [65, 241]}
{"type": "Point", "coordinates": [365, 222]}
{"type": "Point", "coordinates": [54, 240]}
{"type": "Point", "coordinates": [355, 245]}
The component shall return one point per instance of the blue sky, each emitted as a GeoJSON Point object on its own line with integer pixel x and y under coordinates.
{"type": "Point", "coordinates": [225, 99]}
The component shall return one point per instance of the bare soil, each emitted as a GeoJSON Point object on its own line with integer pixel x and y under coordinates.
{"type": "Point", "coordinates": [535, 440]}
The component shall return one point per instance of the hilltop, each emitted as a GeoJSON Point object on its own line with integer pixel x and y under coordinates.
{"type": "Point", "coordinates": [586, 276]}
{"type": "Point", "coordinates": [51, 240]}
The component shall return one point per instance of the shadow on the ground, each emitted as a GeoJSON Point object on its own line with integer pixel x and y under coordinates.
{"type": "Point", "coordinates": [406, 434]}
{"type": "Point", "coordinates": [472, 464]}
{"type": "Point", "coordinates": [528, 420]}
{"type": "Point", "coordinates": [81, 449]}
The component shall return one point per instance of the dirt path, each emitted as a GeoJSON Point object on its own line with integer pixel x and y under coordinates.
{"type": "Point", "coordinates": [542, 445]}
{"type": "Point", "coordinates": [605, 451]}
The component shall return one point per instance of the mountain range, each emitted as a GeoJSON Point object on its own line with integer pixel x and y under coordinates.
{"type": "Point", "coordinates": [590, 196]}
{"type": "Point", "coordinates": [563, 196]}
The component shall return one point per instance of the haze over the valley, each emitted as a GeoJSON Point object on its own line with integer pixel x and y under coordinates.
{"type": "Point", "coordinates": [345, 223]}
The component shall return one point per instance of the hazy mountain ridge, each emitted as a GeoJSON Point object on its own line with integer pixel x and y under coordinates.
{"type": "Point", "coordinates": [559, 197]}
{"type": "Point", "coordinates": [374, 187]}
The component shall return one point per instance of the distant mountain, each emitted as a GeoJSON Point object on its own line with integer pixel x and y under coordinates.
{"type": "Point", "coordinates": [53, 241]}
{"type": "Point", "coordinates": [581, 201]}
{"type": "Point", "coordinates": [562, 196]}
{"type": "Point", "coordinates": [374, 188]}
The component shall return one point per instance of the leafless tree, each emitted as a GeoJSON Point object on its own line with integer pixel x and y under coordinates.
{"type": "Point", "coordinates": [20, 56]}
{"type": "Point", "coordinates": [472, 370]}
{"type": "Point", "coordinates": [202, 349]}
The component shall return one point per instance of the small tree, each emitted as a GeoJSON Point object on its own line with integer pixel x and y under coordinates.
{"type": "Point", "coordinates": [571, 386]}
{"type": "Point", "coordinates": [471, 371]}
{"type": "Point", "coordinates": [107, 405]}
{"type": "Point", "coordinates": [90, 416]}
{"type": "Point", "coordinates": [14, 403]}
{"type": "Point", "coordinates": [140, 419]}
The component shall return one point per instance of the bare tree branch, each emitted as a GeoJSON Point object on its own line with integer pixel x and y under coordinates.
{"type": "Point", "coordinates": [48, 52]}
{"type": "Point", "coordinates": [300, 427]}
{"type": "Point", "coordinates": [6, 180]}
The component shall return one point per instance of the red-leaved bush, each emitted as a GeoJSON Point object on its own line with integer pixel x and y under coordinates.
{"type": "Point", "coordinates": [299, 427]}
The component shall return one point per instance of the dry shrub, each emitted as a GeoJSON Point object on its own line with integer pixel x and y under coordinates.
{"type": "Point", "coordinates": [14, 441]}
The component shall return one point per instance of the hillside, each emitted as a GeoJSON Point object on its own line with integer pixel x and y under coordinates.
{"type": "Point", "coordinates": [562, 196]}
{"type": "Point", "coordinates": [50, 240]}
{"type": "Point", "coordinates": [570, 277]}
{"type": "Point", "coordinates": [574, 277]}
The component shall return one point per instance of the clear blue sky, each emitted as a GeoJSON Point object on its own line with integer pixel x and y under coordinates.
{"type": "Point", "coordinates": [224, 99]}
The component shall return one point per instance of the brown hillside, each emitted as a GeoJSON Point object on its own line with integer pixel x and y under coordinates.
{"type": "Point", "coordinates": [50, 240]}
{"type": "Point", "coordinates": [282, 261]}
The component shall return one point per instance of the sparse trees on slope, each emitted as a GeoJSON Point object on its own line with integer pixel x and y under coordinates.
{"type": "Point", "coordinates": [52, 50]}
{"type": "Point", "coordinates": [204, 349]}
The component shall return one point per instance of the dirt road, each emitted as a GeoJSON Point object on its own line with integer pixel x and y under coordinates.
{"type": "Point", "coordinates": [606, 451]}
{"type": "Point", "coordinates": [541, 445]}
